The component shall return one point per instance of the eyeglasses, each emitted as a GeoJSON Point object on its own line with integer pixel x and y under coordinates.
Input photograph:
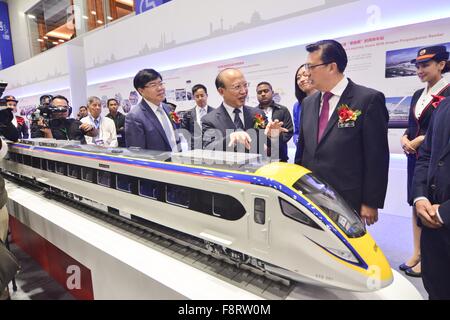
{"type": "Point", "coordinates": [155, 85]}
{"type": "Point", "coordinates": [309, 67]}
{"type": "Point", "coordinates": [239, 87]}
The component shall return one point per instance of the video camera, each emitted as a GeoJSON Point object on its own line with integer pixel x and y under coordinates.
{"type": "Point", "coordinates": [45, 111]}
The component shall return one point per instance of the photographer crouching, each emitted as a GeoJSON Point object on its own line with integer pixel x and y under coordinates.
{"type": "Point", "coordinates": [10, 132]}
{"type": "Point", "coordinates": [53, 121]}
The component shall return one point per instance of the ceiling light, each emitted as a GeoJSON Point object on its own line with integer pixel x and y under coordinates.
{"type": "Point", "coordinates": [99, 21]}
{"type": "Point", "coordinates": [110, 18]}
{"type": "Point", "coordinates": [85, 17]}
{"type": "Point", "coordinates": [61, 40]}
{"type": "Point", "coordinates": [40, 40]}
{"type": "Point", "coordinates": [45, 37]}
{"type": "Point", "coordinates": [31, 16]}
{"type": "Point", "coordinates": [93, 13]}
{"type": "Point", "coordinates": [54, 42]}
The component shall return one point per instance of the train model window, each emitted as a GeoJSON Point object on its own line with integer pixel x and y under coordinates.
{"type": "Point", "coordinates": [178, 195]}
{"type": "Point", "coordinates": [227, 207]}
{"type": "Point", "coordinates": [44, 164]}
{"type": "Point", "coordinates": [51, 165]}
{"type": "Point", "coordinates": [36, 162]}
{"type": "Point", "coordinates": [19, 158]}
{"type": "Point", "coordinates": [201, 201]}
{"type": "Point", "coordinates": [27, 160]}
{"type": "Point", "coordinates": [61, 168]}
{"type": "Point", "coordinates": [104, 178]}
{"type": "Point", "coordinates": [74, 171]}
{"type": "Point", "coordinates": [88, 174]}
{"type": "Point", "coordinates": [293, 212]}
{"type": "Point", "coordinates": [260, 211]}
{"type": "Point", "coordinates": [12, 156]}
{"type": "Point", "coordinates": [148, 188]}
{"type": "Point", "coordinates": [125, 183]}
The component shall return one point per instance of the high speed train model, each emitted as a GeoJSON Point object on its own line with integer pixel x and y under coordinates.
{"type": "Point", "coordinates": [275, 217]}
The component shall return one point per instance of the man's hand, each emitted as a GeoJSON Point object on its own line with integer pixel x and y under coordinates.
{"type": "Point", "coordinates": [88, 130]}
{"type": "Point", "coordinates": [240, 137]}
{"type": "Point", "coordinates": [274, 128]}
{"type": "Point", "coordinates": [369, 215]}
{"type": "Point", "coordinates": [406, 145]}
{"type": "Point", "coordinates": [427, 213]}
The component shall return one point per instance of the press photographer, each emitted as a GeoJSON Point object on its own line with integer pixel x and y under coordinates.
{"type": "Point", "coordinates": [9, 131]}
{"type": "Point", "coordinates": [53, 121]}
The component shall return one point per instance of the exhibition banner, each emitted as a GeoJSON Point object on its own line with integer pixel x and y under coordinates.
{"type": "Point", "coordinates": [6, 50]}
{"type": "Point", "coordinates": [145, 5]}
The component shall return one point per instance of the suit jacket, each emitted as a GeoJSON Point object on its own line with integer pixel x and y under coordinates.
{"type": "Point", "coordinates": [107, 132]}
{"type": "Point", "coordinates": [418, 127]}
{"type": "Point", "coordinates": [143, 129]}
{"type": "Point", "coordinates": [282, 113]}
{"type": "Point", "coordinates": [353, 160]}
{"type": "Point", "coordinates": [189, 123]}
{"type": "Point", "coordinates": [432, 173]}
{"type": "Point", "coordinates": [219, 121]}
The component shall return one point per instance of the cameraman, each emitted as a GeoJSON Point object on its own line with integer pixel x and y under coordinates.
{"type": "Point", "coordinates": [59, 126]}
{"type": "Point", "coordinates": [9, 131]}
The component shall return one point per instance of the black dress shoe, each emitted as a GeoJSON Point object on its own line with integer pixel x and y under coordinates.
{"type": "Point", "coordinates": [411, 273]}
{"type": "Point", "coordinates": [404, 267]}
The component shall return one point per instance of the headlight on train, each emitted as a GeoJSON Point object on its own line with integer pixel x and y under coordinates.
{"type": "Point", "coordinates": [343, 254]}
{"type": "Point", "coordinates": [332, 204]}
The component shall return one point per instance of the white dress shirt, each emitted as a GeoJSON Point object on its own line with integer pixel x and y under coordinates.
{"type": "Point", "coordinates": [198, 111]}
{"type": "Point", "coordinates": [106, 136]}
{"type": "Point", "coordinates": [154, 108]}
{"type": "Point", "coordinates": [231, 113]}
{"type": "Point", "coordinates": [337, 93]}
{"type": "Point", "coordinates": [426, 97]}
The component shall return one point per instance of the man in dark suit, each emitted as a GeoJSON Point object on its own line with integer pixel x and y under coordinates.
{"type": "Point", "coordinates": [233, 124]}
{"type": "Point", "coordinates": [343, 132]}
{"type": "Point", "coordinates": [275, 111]}
{"type": "Point", "coordinates": [150, 124]}
{"type": "Point", "coordinates": [192, 119]}
{"type": "Point", "coordinates": [431, 193]}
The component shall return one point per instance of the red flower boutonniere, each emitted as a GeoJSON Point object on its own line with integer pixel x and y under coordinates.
{"type": "Point", "coordinates": [20, 120]}
{"type": "Point", "coordinates": [436, 100]}
{"type": "Point", "coordinates": [259, 122]}
{"type": "Point", "coordinates": [174, 117]}
{"type": "Point", "coordinates": [347, 116]}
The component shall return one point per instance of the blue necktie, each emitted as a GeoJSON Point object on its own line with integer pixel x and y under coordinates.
{"type": "Point", "coordinates": [237, 120]}
{"type": "Point", "coordinates": [167, 127]}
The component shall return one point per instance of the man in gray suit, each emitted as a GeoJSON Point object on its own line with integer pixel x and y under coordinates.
{"type": "Point", "coordinates": [149, 124]}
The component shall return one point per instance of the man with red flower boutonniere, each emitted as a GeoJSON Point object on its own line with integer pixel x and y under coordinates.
{"type": "Point", "coordinates": [234, 126]}
{"type": "Point", "coordinates": [152, 124]}
{"type": "Point", "coordinates": [343, 132]}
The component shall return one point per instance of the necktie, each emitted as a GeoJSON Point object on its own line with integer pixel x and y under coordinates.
{"type": "Point", "coordinates": [167, 127]}
{"type": "Point", "coordinates": [324, 113]}
{"type": "Point", "coordinates": [237, 120]}
{"type": "Point", "coordinates": [96, 123]}
{"type": "Point", "coordinates": [201, 114]}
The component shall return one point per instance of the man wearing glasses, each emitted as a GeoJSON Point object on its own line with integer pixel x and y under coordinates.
{"type": "Point", "coordinates": [229, 127]}
{"type": "Point", "coordinates": [343, 132]}
{"type": "Point", "coordinates": [148, 125]}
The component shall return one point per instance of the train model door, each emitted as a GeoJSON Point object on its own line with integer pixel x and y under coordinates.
{"type": "Point", "coordinates": [259, 223]}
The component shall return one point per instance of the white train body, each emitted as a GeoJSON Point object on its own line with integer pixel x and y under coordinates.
{"type": "Point", "coordinates": [254, 211]}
